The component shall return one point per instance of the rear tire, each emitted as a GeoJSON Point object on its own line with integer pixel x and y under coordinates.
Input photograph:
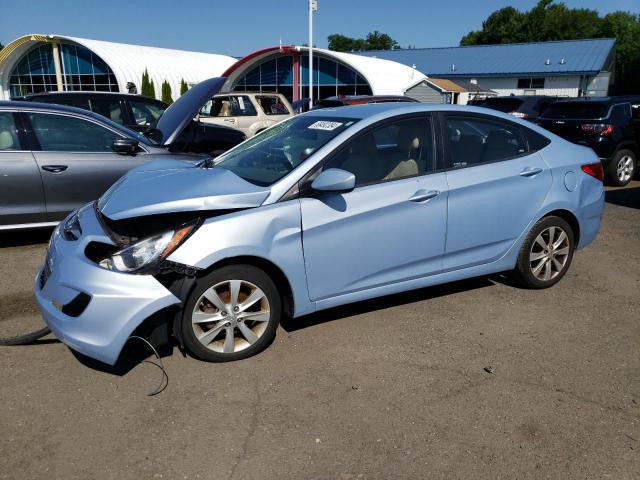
{"type": "Point", "coordinates": [232, 313]}
{"type": "Point", "coordinates": [622, 168]}
{"type": "Point", "coordinates": [545, 254]}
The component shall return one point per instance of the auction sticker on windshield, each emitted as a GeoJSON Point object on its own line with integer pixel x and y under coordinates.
{"type": "Point", "coordinates": [324, 125]}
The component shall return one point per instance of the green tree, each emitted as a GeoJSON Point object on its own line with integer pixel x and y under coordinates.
{"type": "Point", "coordinates": [380, 41]}
{"type": "Point", "coordinates": [342, 43]}
{"type": "Point", "coordinates": [625, 28]}
{"type": "Point", "coordinates": [183, 87]}
{"type": "Point", "coordinates": [502, 26]}
{"type": "Point", "coordinates": [548, 21]}
{"type": "Point", "coordinates": [374, 41]}
{"type": "Point", "coordinates": [1, 46]}
{"type": "Point", "coordinates": [166, 93]}
{"type": "Point", "coordinates": [146, 86]}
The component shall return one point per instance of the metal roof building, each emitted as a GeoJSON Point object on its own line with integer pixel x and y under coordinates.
{"type": "Point", "coordinates": [571, 68]}
{"type": "Point", "coordinates": [39, 63]}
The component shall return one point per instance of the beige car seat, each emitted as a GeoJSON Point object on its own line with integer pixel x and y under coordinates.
{"type": "Point", "coordinates": [225, 109]}
{"type": "Point", "coordinates": [409, 144]}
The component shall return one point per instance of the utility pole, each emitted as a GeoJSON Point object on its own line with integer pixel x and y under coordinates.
{"type": "Point", "coordinates": [313, 7]}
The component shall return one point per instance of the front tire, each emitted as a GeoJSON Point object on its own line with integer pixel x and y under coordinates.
{"type": "Point", "coordinates": [622, 168]}
{"type": "Point", "coordinates": [545, 254]}
{"type": "Point", "coordinates": [232, 313]}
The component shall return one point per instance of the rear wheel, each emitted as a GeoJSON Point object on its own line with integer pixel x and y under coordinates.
{"type": "Point", "coordinates": [546, 253]}
{"type": "Point", "coordinates": [233, 313]}
{"type": "Point", "coordinates": [622, 168]}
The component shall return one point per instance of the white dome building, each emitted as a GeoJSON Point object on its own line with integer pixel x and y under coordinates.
{"type": "Point", "coordinates": [43, 63]}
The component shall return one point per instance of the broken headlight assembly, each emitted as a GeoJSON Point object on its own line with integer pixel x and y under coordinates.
{"type": "Point", "coordinates": [147, 252]}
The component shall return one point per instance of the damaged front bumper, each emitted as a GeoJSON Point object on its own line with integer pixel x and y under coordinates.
{"type": "Point", "coordinates": [89, 308]}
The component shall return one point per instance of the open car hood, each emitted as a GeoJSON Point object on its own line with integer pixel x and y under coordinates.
{"type": "Point", "coordinates": [181, 112]}
{"type": "Point", "coordinates": [167, 186]}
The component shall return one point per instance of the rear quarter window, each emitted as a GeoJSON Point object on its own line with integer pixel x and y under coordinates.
{"type": "Point", "coordinates": [536, 140]}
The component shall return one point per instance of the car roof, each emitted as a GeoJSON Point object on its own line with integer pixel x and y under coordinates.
{"type": "Point", "coordinates": [367, 110]}
{"type": "Point", "coordinates": [520, 97]}
{"type": "Point", "coordinates": [605, 100]}
{"type": "Point", "coordinates": [87, 94]}
{"type": "Point", "coordinates": [20, 105]}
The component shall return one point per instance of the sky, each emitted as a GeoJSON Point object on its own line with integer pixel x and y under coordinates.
{"type": "Point", "coordinates": [241, 27]}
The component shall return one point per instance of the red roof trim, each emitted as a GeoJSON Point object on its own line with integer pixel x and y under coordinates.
{"type": "Point", "coordinates": [286, 49]}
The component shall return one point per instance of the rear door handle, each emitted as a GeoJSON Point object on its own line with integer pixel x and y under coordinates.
{"type": "Point", "coordinates": [55, 168]}
{"type": "Point", "coordinates": [423, 195]}
{"type": "Point", "coordinates": [530, 172]}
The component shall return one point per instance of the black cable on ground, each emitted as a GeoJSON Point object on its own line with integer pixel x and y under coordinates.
{"type": "Point", "coordinates": [164, 380]}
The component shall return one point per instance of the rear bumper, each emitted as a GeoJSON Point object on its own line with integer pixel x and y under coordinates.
{"type": "Point", "coordinates": [591, 210]}
{"type": "Point", "coordinates": [117, 303]}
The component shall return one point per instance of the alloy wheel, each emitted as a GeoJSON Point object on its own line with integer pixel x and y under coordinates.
{"type": "Point", "coordinates": [549, 253]}
{"type": "Point", "coordinates": [230, 316]}
{"type": "Point", "coordinates": [625, 168]}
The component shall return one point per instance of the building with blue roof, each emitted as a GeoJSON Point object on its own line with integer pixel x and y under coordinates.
{"type": "Point", "coordinates": [569, 68]}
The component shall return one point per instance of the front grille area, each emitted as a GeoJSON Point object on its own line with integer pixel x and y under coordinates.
{"type": "Point", "coordinates": [44, 275]}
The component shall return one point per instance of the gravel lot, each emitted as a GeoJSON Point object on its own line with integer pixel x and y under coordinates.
{"type": "Point", "coordinates": [392, 388]}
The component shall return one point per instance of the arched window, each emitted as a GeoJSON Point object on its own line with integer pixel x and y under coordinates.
{"type": "Point", "coordinates": [330, 78]}
{"type": "Point", "coordinates": [81, 69]}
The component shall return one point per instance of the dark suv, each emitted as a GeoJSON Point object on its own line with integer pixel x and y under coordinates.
{"type": "Point", "coordinates": [140, 113]}
{"type": "Point", "coordinates": [609, 125]}
{"type": "Point", "coordinates": [528, 107]}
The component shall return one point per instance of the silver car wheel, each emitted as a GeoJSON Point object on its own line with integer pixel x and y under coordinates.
{"type": "Point", "coordinates": [625, 168]}
{"type": "Point", "coordinates": [549, 253]}
{"type": "Point", "coordinates": [231, 316]}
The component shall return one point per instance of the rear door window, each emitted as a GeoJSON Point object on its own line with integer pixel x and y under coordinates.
{"type": "Point", "coordinates": [272, 105]}
{"type": "Point", "coordinates": [476, 141]}
{"type": "Point", "coordinates": [232, 106]}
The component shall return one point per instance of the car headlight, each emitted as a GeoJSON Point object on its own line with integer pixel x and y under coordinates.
{"type": "Point", "coordinates": [147, 251]}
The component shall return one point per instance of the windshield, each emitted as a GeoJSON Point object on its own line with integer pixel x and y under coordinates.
{"type": "Point", "coordinates": [269, 156]}
{"type": "Point", "coordinates": [577, 110]}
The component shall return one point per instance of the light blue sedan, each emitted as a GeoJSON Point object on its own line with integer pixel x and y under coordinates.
{"type": "Point", "coordinates": [326, 208]}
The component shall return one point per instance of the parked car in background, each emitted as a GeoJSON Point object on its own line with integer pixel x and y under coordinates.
{"type": "Point", "coordinates": [54, 158]}
{"type": "Point", "coordinates": [376, 199]}
{"type": "Point", "coordinates": [246, 111]}
{"type": "Point", "coordinates": [332, 102]}
{"type": "Point", "coordinates": [133, 111]}
{"type": "Point", "coordinates": [528, 107]}
{"type": "Point", "coordinates": [141, 113]}
{"type": "Point", "coordinates": [300, 106]}
{"type": "Point", "coordinates": [609, 125]}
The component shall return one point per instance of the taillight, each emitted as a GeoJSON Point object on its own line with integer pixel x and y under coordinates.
{"type": "Point", "coordinates": [597, 129]}
{"type": "Point", "coordinates": [594, 169]}
{"type": "Point", "coordinates": [519, 114]}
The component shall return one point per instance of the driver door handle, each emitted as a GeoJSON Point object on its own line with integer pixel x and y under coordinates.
{"type": "Point", "coordinates": [54, 168]}
{"type": "Point", "coordinates": [530, 172]}
{"type": "Point", "coordinates": [423, 195]}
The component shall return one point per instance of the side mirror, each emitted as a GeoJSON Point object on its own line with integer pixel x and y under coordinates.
{"type": "Point", "coordinates": [125, 146]}
{"type": "Point", "coordinates": [334, 180]}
